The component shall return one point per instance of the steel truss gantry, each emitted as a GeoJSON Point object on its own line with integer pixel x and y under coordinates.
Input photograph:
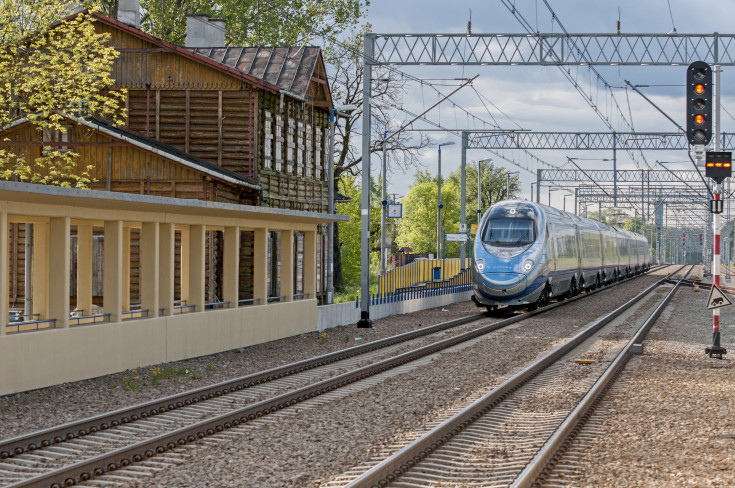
{"type": "Point", "coordinates": [557, 49]}
{"type": "Point", "coordinates": [551, 49]}
{"type": "Point", "coordinates": [661, 141]}
{"type": "Point", "coordinates": [552, 176]}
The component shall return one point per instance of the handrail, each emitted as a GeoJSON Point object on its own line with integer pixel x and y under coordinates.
{"type": "Point", "coordinates": [133, 312]}
{"type": "Point", "coordinates": [180, 308]}
{"type": "Point", "coordinates": [248, 301]}
{"type": "Point", "coordinates": [276, 298]}
{"type": "Point", "coordinates": [216, 305]}
{"type": "Point", "coordinates": [300, 296]}
{"type": "Point", "coordinates": [17, 325]}
{"type": "Point", "coordinates": [94, 318]}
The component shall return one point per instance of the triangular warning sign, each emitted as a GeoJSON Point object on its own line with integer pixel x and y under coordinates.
{"type": "Point", "coordinates": [717, 299]}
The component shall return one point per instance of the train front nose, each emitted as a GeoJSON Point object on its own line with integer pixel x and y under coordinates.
{"type": "Point", "coordinates": [502, 285]}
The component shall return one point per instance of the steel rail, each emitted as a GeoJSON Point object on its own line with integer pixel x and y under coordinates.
{"type": "Point", "coordinates": [123, 457]}
{"type": "Point", "coordinates": [588, 403]}
{"type": "Point", "coordinates": [393, 467]}
{"type": "Point", "coordinates": [75, 429]}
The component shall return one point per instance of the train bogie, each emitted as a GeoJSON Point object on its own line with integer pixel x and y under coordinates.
{"type": "Point", "coordinates": [526, 253]}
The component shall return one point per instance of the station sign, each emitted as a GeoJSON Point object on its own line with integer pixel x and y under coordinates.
{"type": "Point", "coordinates": [456, 237]}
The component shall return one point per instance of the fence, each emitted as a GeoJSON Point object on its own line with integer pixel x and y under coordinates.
{"type": "Point", "coordinates": [420, 271]}
{"type": "Point", "coordinates": [407, 301]}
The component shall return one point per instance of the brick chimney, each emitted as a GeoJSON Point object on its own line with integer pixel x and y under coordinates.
{"type": "Point", "coordinates": [201, 31]}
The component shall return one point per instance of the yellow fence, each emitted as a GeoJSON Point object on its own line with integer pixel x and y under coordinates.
{"type": "Point", "coordinates": [420, 271]}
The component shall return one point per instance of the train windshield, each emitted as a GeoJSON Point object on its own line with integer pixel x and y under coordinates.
{"type": "Point", "coordinates": [509, 232]}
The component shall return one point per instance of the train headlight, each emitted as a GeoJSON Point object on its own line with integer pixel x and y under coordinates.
{"type": "Point", "coordinates": [527, 265]}
{"type": "Point", "coordinates": [480, 263]}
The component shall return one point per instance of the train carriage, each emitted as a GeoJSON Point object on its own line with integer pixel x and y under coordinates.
{"type": "Point", "coordinates": [527, 253]}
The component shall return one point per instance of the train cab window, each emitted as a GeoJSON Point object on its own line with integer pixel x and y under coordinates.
{"type": "Point", "coordinates": [509, 232]}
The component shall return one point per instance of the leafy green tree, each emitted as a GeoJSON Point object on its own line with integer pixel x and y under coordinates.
{"type": "Point", "coordinates": [350, 232]}
{"type": "Point", "coordinates": [256, 22]}
{"type": "Point", "coordinates": [48, 68]}
{"type": "Point", "coordinates": [493, 183]}
{"type": "Point", "coordinates": [417, 229]}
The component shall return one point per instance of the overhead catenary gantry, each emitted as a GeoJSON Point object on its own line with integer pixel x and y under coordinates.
{"type": "Point", "coordinates": [537, 49]}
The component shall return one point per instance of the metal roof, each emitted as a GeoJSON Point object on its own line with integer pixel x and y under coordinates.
{"type": "Point", "coordinates": [289, 68]}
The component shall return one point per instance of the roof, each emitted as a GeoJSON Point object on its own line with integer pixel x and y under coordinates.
{"type": "Point", "coordinates": [169, 152]}
{"type": "Point", "coordinates": [289, 68]}
{"type": "Point", "coordinates": [160, 149]}
{"type": "Point", "coordinates": [182, 51]}
{"type": "Point", "coordinates": [105, 201]}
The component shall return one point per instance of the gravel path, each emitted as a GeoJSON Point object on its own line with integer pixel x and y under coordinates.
{"type": "Point", "coordinates": [692, 396]}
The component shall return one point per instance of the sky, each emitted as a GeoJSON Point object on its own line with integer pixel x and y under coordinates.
{"type": "Point", "coordinates": [541, 98]}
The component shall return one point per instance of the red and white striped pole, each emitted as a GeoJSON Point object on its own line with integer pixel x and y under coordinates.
{"type": "Point", "coordinates": [716, 350]}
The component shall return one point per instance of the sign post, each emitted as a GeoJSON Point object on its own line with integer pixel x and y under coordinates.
{"type": "Point", "coordinates": [718, 166]}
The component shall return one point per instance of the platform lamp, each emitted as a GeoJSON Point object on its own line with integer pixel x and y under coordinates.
{"type": "Point", "coordinates": [479, 186]}
{"type": "Point", "coordinates": [507, 183]}
{"type": "Point", "coordinates": [439, 198]}
{"type": "Point", "coordinates": [339, 111]}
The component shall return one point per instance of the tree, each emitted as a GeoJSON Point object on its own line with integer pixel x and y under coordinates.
{"type": "Point", "coordinates": [493, 184]}
{"type": "Point", "coordinates": [417, 229]}
{"type": "Point", "coordinates": [256, 22]}
{"type": "Point", "coordinates": [350, 235]}
{"type": "Point", "coordinates": [49, 68]}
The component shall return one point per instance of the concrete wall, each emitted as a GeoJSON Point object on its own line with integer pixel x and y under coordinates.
{"type": "Point", "coordinates": [38, 359]}
{"type": "Point", "coordinates": [348, 314]}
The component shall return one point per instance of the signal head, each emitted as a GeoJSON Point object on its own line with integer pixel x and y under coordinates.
{"type": "Point", "coordinates": [699, 103]}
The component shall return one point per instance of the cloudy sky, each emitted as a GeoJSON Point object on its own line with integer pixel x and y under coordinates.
{"type": "Point", "coordinates": [541, 98]}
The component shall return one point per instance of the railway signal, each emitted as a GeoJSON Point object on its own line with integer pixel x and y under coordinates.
{"type": "Point", "coordinates": [699, 103]}
{"type": "Point", "coordinates": [718, 165]}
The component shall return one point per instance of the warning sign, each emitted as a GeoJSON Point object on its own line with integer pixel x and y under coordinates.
{"type": "Point", "coordinates": [717, 299]}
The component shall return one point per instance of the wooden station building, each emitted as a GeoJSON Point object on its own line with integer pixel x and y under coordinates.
{"type": "Point", "coordinates": [221, 124]}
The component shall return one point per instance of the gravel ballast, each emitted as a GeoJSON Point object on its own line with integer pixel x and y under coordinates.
{"type": "Point", "coordinates": [329, 440]}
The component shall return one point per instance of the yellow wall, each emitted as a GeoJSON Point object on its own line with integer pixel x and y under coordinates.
{"type": "Point", "coordinates": [49, 357]}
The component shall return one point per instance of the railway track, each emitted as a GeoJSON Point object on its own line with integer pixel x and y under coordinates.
{"type": "Point", "coordinates": [513, 435]}
{"type": "Point", "coordinates": [113, 442]}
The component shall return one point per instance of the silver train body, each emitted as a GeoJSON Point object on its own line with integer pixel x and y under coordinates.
{"type": "Point", "coordinates": [526, 253]}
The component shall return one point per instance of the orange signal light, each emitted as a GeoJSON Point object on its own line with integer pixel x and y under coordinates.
{"type": "Point", "coordinates": [718, 165]}
{"type": "Point", "coordinates": [699, 88]}
{"type": "Point", "coordinates": [727, 165]}
{"type": "Point", "coordinates": [710, 165]}
{"type": "Point", "coordinates": [699, 119]}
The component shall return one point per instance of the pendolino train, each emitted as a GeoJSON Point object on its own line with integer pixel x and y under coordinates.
{"type": "Point", "coordinates": [526, 253]}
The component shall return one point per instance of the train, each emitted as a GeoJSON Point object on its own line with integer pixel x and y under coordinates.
{"type": "Point", "coordinates": [526, 254]}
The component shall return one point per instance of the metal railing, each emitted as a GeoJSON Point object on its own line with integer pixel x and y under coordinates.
{"type": "Point", "coordinates": [460, 282]}
{"type": "Point", "coordinates": [420, 271]}
{"type": "Point", "coordinates": [30, 325]}
{"type": "Point", "coordinates": [90, 319]}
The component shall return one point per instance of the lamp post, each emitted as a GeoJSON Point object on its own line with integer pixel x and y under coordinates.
{"type": "Point", "coordinates": [439, 199]}
{"type": "Point", "coordinates": [565, 200]}
{"type": "Point", "coordinates": [507, 183]}
{"type": "Point", "coordinates": [341, 111]}
{"type": "Point", "coordinates": [384, 203]}
{"type": "Point", "coordinates": [479, 186]}
{"type": "Point", "coordinates": [550, 190]}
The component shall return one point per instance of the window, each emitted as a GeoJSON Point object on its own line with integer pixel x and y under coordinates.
{"type": "Point", "coordinates": [300, 149]}
{"type": "Point", "coordinates": [308, 161]}
{"type": "Point", "coordinates": [509, 232]}
{"type": "Point", "coordinates": [52, 137]}
{"type": "Point", "coordinates": [279, 143]}
{"type": "Point", "coordinates": [268, 149]}
{"type": "Point", "coordinates": [318, 157]}
{"type": "Point", "coordinates": [290, 145]}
